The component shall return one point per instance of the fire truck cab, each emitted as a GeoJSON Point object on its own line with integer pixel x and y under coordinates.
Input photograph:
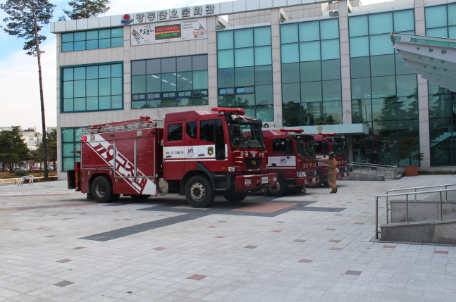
{"type": "Point", "coordinates": [291, 156]}
{"type": "Point", "coordinates": [330, 142]}
{"type": "Point", "coordinates": [197, 154]}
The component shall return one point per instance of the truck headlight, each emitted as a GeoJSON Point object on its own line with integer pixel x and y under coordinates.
{"type": "Point", "coordinates": [247, 181]}
{"type": "Point", "coordinates": [231, 169]}
{"type": "Point", "coordinates": [302, 174]}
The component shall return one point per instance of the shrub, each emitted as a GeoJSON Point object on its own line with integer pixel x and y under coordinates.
{"type": "Point", "coordinates": [21, 173]}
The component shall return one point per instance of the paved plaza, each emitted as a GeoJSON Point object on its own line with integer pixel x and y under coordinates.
{"type": "Point", "coordinates": [57, 246]}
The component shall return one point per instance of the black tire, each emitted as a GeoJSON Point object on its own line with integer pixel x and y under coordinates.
{"type": "Point", "coordinates": [279, 189]}
{"type": "Point", "coordinates": [235, 196]}
{"type": "Point", "coordinates": [199, 192]}
{"type": "Point", "coordinates": [140, 196]}
{"type": "Point", "coordinates": [102, 189]}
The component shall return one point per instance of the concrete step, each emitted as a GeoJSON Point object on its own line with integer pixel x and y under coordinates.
{"type": "Point", "coordinates": [433, 231]}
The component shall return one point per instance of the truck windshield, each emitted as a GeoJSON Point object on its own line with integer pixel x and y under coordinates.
{"type": "Point", "coordinates": [305, 148]}
{"type": "Point", "coordinates": [338, 146]}
{"type": "Point", "coordinates": [246, 135]}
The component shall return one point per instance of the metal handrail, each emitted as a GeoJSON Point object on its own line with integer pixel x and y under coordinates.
{"type": "Point", "coordinates": [415, 188]}
{"type": "Point", "coordinates": [387, 196]}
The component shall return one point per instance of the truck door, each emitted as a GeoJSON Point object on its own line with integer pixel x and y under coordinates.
{"type": "Point", "coordinates": [173, 155]}
{"type": "Point", "coordinates": [212, 145]}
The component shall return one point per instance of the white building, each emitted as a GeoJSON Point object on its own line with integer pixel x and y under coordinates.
{"type": "Point", "coordinates": [312, 64]}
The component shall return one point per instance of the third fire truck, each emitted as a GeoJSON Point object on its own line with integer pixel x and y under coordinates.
{"type": "Point", "coordinates": [197, 154]}
{"type": "Point", "coordinates": [291, 156]}
{"type": "Point", "coordinates": [325, 143]}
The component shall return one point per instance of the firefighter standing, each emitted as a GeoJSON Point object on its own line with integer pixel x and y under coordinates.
{"type": "Point", "coordinates": [331, 165]}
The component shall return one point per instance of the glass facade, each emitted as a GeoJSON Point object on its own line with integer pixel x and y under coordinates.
{"type": "Point", "coordinates": [245, 71]}
{"type": "Point", "coordinates": [92, 87]}
{"type": "Point", "coordinates": [384, 91]}
{"type": "Point", "coordinates": [169, 82]}
{"type": "Point", "coordinates": [311, 79]}
{"type": "Point", "coordinates": [92, 39]}
{"type": "Point", "coordinates": [71, 138]}
{"type": "Point", "coordinates": [441, 22]}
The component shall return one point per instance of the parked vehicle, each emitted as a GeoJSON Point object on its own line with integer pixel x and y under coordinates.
{"type": "Point", "coordinates": [330, 142]}
{"type": "Point", "coordinates": [291, 156]}
{"type": "Point", "coordinates": [196, 154]}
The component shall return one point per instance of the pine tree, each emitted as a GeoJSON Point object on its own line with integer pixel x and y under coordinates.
{"type": "Point", "coordinates": [84, 9]}
{"type": "Point", "coordinates": [13, 149]}
{"type": "Point", "coordinates": [26, 19]}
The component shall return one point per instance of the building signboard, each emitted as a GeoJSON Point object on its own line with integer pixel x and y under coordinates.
{"type": "Point", "coordinates": [172, 31]}
{"type": "Point", "coordinates": [170, 14]}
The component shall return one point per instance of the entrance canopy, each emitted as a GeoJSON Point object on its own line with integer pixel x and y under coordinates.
{"type": "Point", "coordinates": [355, 129]}
{"type": "Point", "coordinates": [433, 58]}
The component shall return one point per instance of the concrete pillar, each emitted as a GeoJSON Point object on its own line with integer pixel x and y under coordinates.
{"type": "Point", "coordinates": [423, 99]}
{"type": "Point", "coordinates": [345, 62]}
{"type": "Point", "coordinates": [276, 67]}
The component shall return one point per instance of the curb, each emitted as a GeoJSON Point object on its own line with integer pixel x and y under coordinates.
{"type": "Point", "coordinates": [35, 179]}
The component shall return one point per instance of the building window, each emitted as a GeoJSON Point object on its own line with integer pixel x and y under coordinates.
{"type": "Point", "coordinates": [71, 141]}
{"type": "Point", "coordinates": [245, 71]}
{"type": "Point", "coordinates": [311, 79]}
{"type": "Point", "coordinates": [384, 91]}
{"type": "Point", "coordinates": [441, 22]}
{"type": "Point", "coordinates": [92, 39]}
{"type": "Point", "coordinates": [169, 82]}
{"type": "Point", "coordinates": [92, 88]}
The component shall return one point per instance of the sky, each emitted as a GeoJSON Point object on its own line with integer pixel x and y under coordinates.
{"type": "Point", "coordinates": [20, 104]}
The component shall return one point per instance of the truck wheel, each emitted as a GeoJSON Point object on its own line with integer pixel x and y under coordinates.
{"type": "Point", "coordinates": [199, 192]}
{"type": "Point", "coordinates": [140, 196]}
{"type": "Point", "coordinates": [235, 196]}
{"type": "Point", "coordinates": [102, 189]}
{"type": "Point", "coordinates": [279, 189]}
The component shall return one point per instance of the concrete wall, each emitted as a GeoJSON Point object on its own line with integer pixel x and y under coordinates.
{"type": "Point", "coordinates": [436, 232]}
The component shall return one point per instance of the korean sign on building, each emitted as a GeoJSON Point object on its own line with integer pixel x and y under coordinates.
{"type": "Point", "coordinates": [171, 14]}
{"type": "Point", "coordinates": [171, 31]}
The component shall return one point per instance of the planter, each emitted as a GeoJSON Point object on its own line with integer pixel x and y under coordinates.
{"type": "Point", "coordinates": [411, 170]}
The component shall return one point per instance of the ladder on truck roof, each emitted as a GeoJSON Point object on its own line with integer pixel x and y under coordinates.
{"type": "Point", "coordinates": [142, 122]}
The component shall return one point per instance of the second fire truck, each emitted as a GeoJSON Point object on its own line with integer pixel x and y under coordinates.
{"type": "Point", "coordinates": [291, 156]}
{"type": "Point", "coordinates": [199, 154]}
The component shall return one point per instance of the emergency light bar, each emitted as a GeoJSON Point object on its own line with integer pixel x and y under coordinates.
{"type": "Point", "coordinates": [292, 130]}
{"type": "Point", "coordinates": [238, 111]}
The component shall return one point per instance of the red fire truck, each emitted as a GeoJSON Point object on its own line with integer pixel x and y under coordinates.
{"type": "Point", "coordinates": [197, 154]}
{"type": "Point", "coordinates": [291, 156]}
{"type": "Point", "coordinates": [325, 143]}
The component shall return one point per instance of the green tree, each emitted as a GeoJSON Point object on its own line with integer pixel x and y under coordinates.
{"type": "Point", "coordinates": [85, 9]}
{"type": "Point", "coordinates": [37, 157]}
{"type": "Point", "coordinates": [51, 148]}
{"type": "Point", "coordinates": [26, 19]}
{"type": "Point", "coordinates": [13, 149]}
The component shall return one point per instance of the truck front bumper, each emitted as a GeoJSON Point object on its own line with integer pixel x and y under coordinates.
{"type": "Point", "coordinates": [302, 181]}
{"type": "Point", "coordinates": [342, 174]}
{"type": "Point", "coordinates": [252, 182]}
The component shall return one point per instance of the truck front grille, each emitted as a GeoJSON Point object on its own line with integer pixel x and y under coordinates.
{"type": "Point", "coordinates": [252, 163]}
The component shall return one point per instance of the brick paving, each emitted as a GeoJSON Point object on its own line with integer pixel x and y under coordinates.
{"type": "Point", "coordinates": [317, 246]}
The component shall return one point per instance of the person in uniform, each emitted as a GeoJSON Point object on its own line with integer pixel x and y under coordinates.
{"type": "Point", "coordinates": [331, 165]}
